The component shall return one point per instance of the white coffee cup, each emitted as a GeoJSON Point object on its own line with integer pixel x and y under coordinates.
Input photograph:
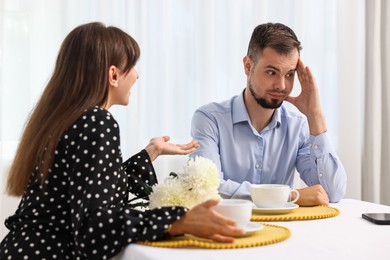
{"type": "Point", "coordinates": [273, 195]}
{"type": "Point", "coordinates": [238, 210]}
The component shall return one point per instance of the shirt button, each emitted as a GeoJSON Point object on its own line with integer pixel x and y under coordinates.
{"type": "Point", "coordinates": [315, 147]}
{"type": "Point", "coordinates": [320, 174]}
{"type": "Point", "coordinates": [257, 165]}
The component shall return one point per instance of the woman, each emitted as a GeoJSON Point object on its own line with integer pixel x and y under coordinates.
{"type": "Point", "coordinates": [68, 167]}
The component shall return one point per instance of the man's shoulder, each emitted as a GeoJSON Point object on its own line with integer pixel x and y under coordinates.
{"type": "Point", "coordinates": [217, 107]}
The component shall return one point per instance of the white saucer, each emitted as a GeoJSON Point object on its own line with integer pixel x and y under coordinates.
{"type": "Point", "coordinates": [288, 208]}
{"type": "Point", "coordinates": [252, 227]}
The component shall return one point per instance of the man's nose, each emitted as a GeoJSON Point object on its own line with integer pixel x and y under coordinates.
{"type": "Point", "coordinates": [280, 84]}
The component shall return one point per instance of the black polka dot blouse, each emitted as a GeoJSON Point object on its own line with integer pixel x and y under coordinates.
{"type": "Point", "coordinates": [82, 211]}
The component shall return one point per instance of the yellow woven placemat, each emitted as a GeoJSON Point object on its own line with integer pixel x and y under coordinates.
{"type": "Point", "coordinates": [270, 234]}
{"type": "Point", "coordinates": [301, 213]}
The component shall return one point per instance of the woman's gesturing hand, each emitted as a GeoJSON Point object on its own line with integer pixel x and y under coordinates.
{"type": "Point", "coordinates": [160, 146]}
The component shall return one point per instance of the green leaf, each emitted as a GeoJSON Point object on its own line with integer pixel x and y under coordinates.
{"type": "Point", "coordinates": [148, 189]}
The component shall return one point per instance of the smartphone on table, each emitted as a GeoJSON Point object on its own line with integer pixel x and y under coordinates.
{"type": "Point", "coordinates": [377, 218]}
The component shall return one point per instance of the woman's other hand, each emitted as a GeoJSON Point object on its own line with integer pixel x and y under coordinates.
{"type": "Point", "coordinates": [160, 146]}
{"type": "Point", "coordinates": [202, 221]}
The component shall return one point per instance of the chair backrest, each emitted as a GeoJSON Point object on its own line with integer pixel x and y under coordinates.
{"type": "Point", "coordinates": [164, 165]}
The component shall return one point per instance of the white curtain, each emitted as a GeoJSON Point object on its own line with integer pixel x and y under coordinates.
{"type": "Point", "coordinates": [376, 152]}
{"type": "Point", "coordinates": [191, 54]}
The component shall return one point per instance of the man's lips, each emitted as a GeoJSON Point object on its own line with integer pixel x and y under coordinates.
{"type": "Point", "coordinates": [277, 95]}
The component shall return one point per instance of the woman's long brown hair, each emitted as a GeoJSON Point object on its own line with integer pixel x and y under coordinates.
{"type": "Point", "coordinates": [79, 82]}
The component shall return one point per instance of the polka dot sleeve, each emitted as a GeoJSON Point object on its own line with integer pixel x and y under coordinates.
{"type": "Point", "coordinates": [101, 222]}
{"type": "Point", "coordinates": [140, 173]}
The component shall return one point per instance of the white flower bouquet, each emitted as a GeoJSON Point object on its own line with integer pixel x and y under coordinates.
{"type": "Point", "coordinates": [196, 182]}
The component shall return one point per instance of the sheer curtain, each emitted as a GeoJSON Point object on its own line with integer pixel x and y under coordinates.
{"type": "Point", "coordinates": [191, 54]}
{"type": "Point", "coordinates": [376, 163]}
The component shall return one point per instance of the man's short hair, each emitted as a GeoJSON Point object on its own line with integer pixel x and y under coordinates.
{"type": "Point", "coordinates": [274, 35]}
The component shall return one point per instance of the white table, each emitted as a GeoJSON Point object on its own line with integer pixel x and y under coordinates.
{"type": "Point", "coordinates": [346, 236]}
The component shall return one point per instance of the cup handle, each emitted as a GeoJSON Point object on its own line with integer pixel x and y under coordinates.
{"type": "Point", "coordinates": [296, 197]}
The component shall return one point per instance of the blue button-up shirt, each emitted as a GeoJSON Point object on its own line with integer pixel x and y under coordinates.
{"type": "Point", "coordinates": [244, 156]}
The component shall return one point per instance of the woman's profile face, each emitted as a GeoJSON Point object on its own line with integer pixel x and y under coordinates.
{"type": "Point", "coordinates": [125, 83]}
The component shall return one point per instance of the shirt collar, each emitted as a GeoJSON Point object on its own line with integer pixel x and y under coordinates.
{"type": "Point", "coordinates": [239, 110]}
{"type": "Point", "coordinates": [240, 114]}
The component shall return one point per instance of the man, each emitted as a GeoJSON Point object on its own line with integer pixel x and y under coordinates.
{"type": "Point", "coordinates": [256, 138]}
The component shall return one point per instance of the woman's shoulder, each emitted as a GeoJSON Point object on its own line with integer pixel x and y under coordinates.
{"type": "Point", "coordinates": [97, 114]}
{"type": "Point", "coordinates": [97, 111]}
{"type": "Point", "coordinates": [93, 118]}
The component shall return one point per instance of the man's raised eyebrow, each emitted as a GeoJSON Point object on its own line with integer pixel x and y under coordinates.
{"type": "Point", "coordinates": [274, 68]}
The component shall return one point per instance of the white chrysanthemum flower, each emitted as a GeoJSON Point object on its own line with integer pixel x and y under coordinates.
{"type": "Point", "coordinates": [197, 182]}
{"type": "Point", "coordinates": [166, 194]}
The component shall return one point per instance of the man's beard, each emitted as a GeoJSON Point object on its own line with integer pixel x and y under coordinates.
{"type": "Point", "coordinates": [274, 103]}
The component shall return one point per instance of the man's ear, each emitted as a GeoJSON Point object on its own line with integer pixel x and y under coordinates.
{"type": "Point", "coordinates": [113, 76]}
{"type": "Point", "coordinates": [247, 64]}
